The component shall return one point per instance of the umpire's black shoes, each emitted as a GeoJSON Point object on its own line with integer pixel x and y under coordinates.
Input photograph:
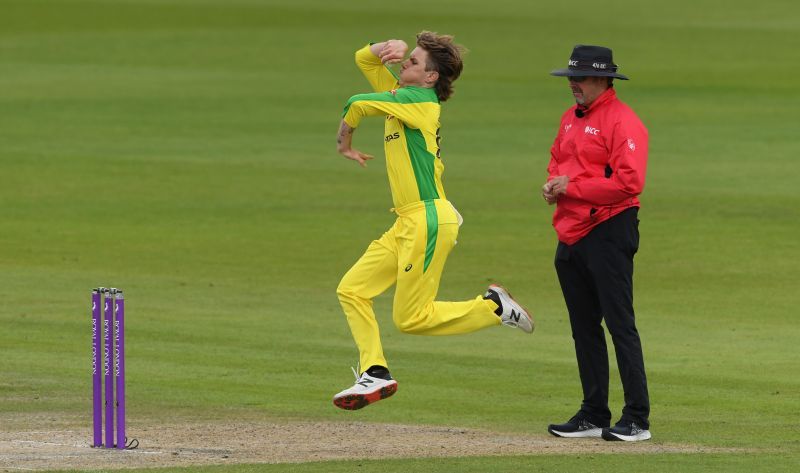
{"type": "Point", "coordinates": [575, 428]}
{"type": "Point", "coordinates": [627, 432]}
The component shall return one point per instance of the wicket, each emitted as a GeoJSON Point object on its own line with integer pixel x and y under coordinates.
{"type": "Point", "coordinates": [112, 361]}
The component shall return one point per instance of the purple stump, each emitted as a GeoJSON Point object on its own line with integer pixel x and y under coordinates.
{"type": "Point", "coordinates": [97, 387]}
{"type": "Point", "coordinates": [119, 367]}
{"type": "Point", "coordinates": [108, 333]}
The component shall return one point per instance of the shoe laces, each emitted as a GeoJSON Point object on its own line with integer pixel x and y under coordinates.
{"type": "Point", "coordinates": [582, 422]}
{"type": "Point", "coordinates": [356, 371]}
{"type": "Point", "coordinates": [363, 379]}
{"type": "Point", "coordinates": [635, 429]}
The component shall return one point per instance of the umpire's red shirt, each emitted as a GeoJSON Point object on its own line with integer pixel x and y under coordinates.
{"type": "Point", "coordinates": [604, 153]}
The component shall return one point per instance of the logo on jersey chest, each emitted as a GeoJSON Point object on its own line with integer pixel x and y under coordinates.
{"type": "Point", "coordinates": [392, 136]}
{"type": "Point", "coordinates": [591, 131]}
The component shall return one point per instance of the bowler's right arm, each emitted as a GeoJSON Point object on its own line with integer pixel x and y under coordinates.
{"type": "Point", "coordinates": [372, 60]}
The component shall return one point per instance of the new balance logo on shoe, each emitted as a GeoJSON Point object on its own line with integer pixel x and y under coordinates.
{"type": "Point", "coordinates": [511, 313]}
{"type": "Point", "coordinates": [365, 381]}
{"type": "Point", "coordinates": [366, 390]}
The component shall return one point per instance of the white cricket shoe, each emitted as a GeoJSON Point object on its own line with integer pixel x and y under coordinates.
{"type": "Point", "coordinates": [512, 314]}
{"type": "Point", "coordinates": [366, 391]}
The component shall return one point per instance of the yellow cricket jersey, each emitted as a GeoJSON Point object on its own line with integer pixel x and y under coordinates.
{"type": "Point", "coordinates": [411, 138]}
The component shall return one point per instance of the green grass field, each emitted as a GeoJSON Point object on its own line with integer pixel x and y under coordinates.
{"type": "Point", "coordinates": [184, 151]}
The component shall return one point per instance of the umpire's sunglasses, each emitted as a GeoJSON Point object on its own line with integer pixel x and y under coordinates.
{"type": "Point", "coordinates": [576, 78]}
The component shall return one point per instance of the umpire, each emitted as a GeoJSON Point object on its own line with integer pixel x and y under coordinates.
{"type": "Point", "coordinates": [596, 171]}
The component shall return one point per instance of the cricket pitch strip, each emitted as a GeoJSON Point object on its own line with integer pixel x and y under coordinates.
{"type": "Point", "coordinates": [33, 446]}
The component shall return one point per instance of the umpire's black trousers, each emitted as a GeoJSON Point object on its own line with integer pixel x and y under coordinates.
{"type": "Point", "coordinates": [596, 276]}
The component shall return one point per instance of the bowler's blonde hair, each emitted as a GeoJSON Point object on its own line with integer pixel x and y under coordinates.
{"type": "Point", "coordinates": [444, 57]}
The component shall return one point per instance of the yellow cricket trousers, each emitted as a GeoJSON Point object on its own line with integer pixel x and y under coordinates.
{"type": "Point", "coordinates": [412, 255]}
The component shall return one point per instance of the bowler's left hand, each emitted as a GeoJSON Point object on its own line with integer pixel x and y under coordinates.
{"type": "Point", "coordinates": [357, 156]}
